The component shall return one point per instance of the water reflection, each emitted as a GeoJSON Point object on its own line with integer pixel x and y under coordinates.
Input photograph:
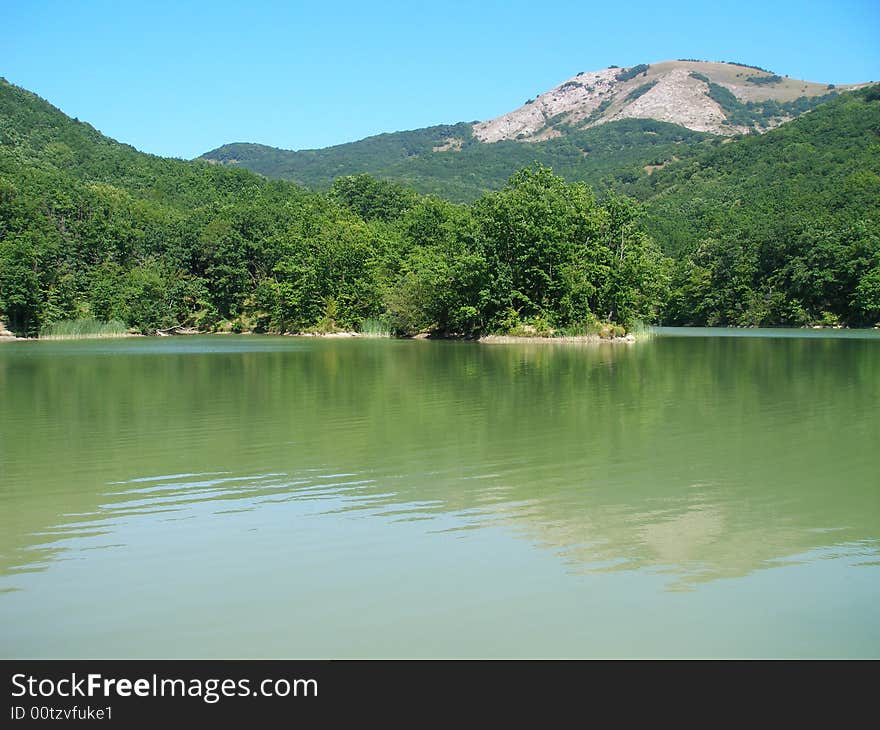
{"type": "Point", "coordinates": [691, 459]}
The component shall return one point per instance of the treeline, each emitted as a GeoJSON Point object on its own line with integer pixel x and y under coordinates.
{"type": "Point", "coordinates": [541, 253]}
{"type": "Point", "coordinates": [92, 228]}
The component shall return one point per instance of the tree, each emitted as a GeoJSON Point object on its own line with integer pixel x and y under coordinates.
{"type": "Point", "coordinates": [371, 198]}
{"type": "Point", "coordinates": [20, 291]}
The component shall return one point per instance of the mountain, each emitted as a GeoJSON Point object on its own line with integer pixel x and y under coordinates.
{"type": "Point", "coordinates": [775, 228]}
{"type": "Point", "coordinates": [720, 98]}
{"type": "Point", "coordinates": [602, 157]}
{"type": "Point", "coordinates": [602, 127]}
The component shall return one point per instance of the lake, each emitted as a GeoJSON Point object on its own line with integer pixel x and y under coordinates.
{"type": "Point", "coordinates": [703, 493]}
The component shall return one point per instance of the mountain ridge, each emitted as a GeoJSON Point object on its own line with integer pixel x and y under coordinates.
{"type": "Point", "coordinates": [680, 92]}
{"type": "Point", "coordinates": [582, 125]}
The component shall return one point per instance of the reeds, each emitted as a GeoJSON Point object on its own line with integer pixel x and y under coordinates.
{"type": "Point", "coordinates": [641, 331]}
{"type": "Point", "coordinates": [375, 328]}
{"type": "Point", "coordinates": [80, 329]}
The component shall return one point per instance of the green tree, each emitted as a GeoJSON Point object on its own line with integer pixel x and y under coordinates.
{"type": "Point", "coordinates": [20, 291]}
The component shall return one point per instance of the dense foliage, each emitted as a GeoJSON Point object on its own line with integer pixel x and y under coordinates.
{"type": "Point", "coordinates": [91, 228]}
{"type": "Point", "coordinates": [780, 228]}
{"type": "Point", "coordinates": [448, 161]}
{"type": "Point", "coordinates": [539, 254]}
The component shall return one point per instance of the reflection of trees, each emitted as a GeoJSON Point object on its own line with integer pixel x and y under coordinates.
{"type": "Point", "coordinates": [706, 458]}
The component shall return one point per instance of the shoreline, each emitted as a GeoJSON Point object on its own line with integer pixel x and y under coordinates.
{"type": "Point", "coordinates": [490, 339]}
{"type": "Point", "coordinates": [485, 339]}
{"type": "Point", "coordinates": [55, 338]}
{"type": "Point", "coordinates": [573, 340]}
{"type": "Point", "coordinates": [58, 338]}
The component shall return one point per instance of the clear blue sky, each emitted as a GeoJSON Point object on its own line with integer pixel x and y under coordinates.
{"type": "Point", "coordinates": [180, 78]}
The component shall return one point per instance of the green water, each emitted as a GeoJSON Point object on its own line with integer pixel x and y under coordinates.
{"type": "Point", "coordinates": [685, 496]}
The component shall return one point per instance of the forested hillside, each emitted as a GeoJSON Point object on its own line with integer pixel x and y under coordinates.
{"type": "Point", "coordinates": [92, 228]}
{"type": "Point", "coordinates": [601, 127]}
{"type": "Point", "coordinates": [780, 228]}
{"type": "Point", "coordinates": [429, 163]}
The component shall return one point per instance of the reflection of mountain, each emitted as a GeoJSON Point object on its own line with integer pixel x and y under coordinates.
{"type": "Point", "coordinates": [703, 458]}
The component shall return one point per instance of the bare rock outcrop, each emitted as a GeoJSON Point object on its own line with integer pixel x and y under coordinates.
{"type": "Point", "coordinates": [679, 92]}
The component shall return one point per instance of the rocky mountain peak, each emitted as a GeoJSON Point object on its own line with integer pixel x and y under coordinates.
{"type": "Point", "coordinates": [720, 98]}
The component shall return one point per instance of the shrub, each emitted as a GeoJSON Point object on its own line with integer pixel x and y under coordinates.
{"type": "Point", "coordinates": [631, 73]}
{"type": "Point", "coordinates": [746, 65]}
{"type": "Point", "coordinates": [535, 326]}
{"type": "Point", "coordinates": [764, 80]}
{"type": "Point", "coordinates": [596, 113]}
{"type": "Point", "coordinates": [641, 90]}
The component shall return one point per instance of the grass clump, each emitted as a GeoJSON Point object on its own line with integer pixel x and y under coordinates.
{"type": "Point", "coordinates": [640, 330]}
{"type": "Point", "coordinates": [375, 327]}
{"type": "Point", "coordinates": [588, 328]}
{"type": "Point", "coordinates": [83, 328]}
